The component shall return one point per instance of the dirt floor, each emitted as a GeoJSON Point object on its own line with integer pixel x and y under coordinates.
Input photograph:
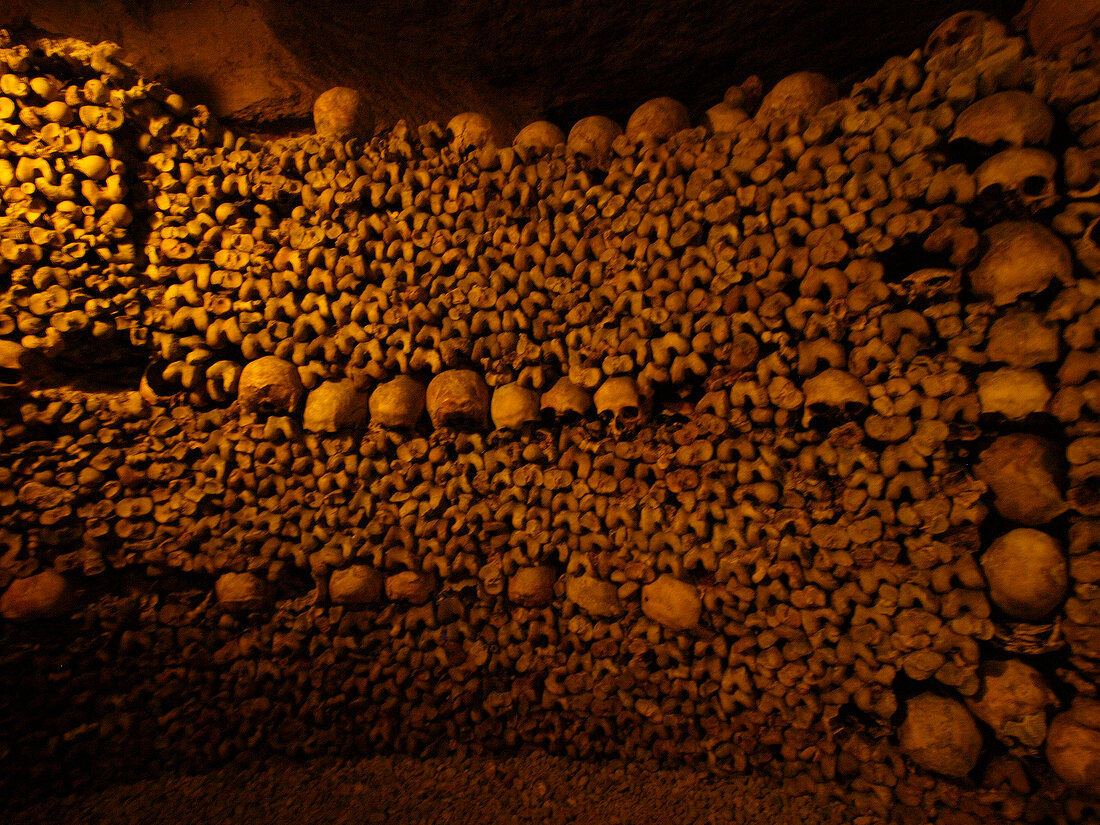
{"type": "Point", "coordinates": [480, 790]}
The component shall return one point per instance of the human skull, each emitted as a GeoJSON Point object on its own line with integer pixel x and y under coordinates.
{"type": "Point", "coordinates": [1023, 257]}
{"type": "Point", "coordinates": [397, 403]}
{"type": "Point", "coordinates": [471, 130]}
{"type": "Point", "coordinates": [1073, 745]}
{"type": "Point", "coordinates": [514, 406]}
{"type": "Point", "coordinates": [962, 26]}
{"type": "Point", "coordinates": [333, 406]}
{"type": "Point", "coordinates": [940, 734]}
{"type": "Point", "coordinates": [673, 603]}
{"type": "Point", "coordinates": [458, 398]}
{"type": "Point", "coordinates": [341, 113]}
{"type": "Point", "coordinates": [619, 402]}
{"type": "Point", "coordinates": [1022, 471]}
{"type": "Point", "coordinates": [592, 137]}
{"type": "Point", "coordinates": [565, 401]}
{"type": "Point", "coordinates": [44, 595]}
{"type": "Point", "coordinates": [1011, 117]}
{"type": "Point", "coordinates": [1022, 176]}
{"type": "Point", "coordinates": [661, 117]}
{"type": "Point", "coordinates": [834, 394]}
{"type": "Point", "coordinates": [1027, 572]}
{"type": "Point", "coordinates": [801, 93]}
{"type": "Point", "coordinates": [270, 385]}
{"type": "Point", "coordinates": [1052, 24]}
{"type": "Point", "coordinates": [542, 136]}
{"type": "Point", "coordinates": [1013, 393]}
{"type": "Point", "coordinates": [1013, 700]}
{"type": "Point", "coordinates": [1022, 339]}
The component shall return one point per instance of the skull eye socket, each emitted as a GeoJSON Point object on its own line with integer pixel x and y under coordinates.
{"type": "Point", "coordinates": [565, 416]}
{"type": "Point", "coordinates": [1033, 185]}
{"type": "Point", "coordinates": [629, 411]}
{"type": "Point", "coordinates": [459, 421]}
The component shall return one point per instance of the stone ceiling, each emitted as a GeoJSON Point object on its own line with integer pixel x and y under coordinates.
{"type": "Point", "coordinates": [260, 63]}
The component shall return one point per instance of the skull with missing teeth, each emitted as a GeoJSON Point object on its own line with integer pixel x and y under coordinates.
{"type": "Point", "coordinates": [619, 402]}
{"type": "Point", "coordinates": [1023, 177]}
{"type": "Point", "coordinates": [834, 395]}
{"type": "Point", "coordinates": [565, 401]}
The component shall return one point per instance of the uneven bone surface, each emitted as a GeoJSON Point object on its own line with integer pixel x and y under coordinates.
{"type": "Point", "coordinates": [768, 447]}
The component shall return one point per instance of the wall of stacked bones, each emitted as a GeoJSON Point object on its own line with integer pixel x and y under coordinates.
{"type": "Point", "coordinates": [769, 444]}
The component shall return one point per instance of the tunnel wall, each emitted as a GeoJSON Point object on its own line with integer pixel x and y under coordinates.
{"type": "Point", "coordinates": [777, 555]}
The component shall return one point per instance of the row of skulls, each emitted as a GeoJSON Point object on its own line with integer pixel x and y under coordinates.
{"type": "Point", "coordinates": [460, 398]}
{"type": "Point", "coordinates": [456, 398]}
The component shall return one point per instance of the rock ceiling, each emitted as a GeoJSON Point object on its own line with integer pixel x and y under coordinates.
{"type": "Point", "coordinates": [260, 63]}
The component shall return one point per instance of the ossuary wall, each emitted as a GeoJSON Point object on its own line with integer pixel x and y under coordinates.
{"type": "Point", "coordinates": [768, 444]}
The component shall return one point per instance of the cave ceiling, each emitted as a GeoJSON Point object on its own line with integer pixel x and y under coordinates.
{"type": "Point", "coordinates": [259, 64]}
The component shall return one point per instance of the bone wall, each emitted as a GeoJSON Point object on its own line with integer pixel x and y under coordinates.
{"type": "Point", "coordinates": [766, 445]}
